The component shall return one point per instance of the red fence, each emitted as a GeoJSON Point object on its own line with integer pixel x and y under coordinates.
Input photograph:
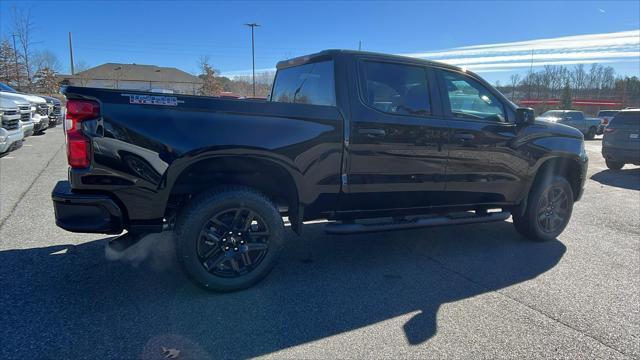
{"type": "Point", "coordinates": [575, 102]}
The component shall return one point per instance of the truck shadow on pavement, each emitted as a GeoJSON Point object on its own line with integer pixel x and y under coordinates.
{"type": "Point", "coordinates": [625, 178]}
{"type": "Point", "coordinates": [70, 302]}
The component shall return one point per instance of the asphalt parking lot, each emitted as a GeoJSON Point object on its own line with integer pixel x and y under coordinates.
{"type": "Point", "coordinates": [474, 291]}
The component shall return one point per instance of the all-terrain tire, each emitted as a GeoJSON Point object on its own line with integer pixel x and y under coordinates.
{"type": "Point", "coordinates": [198, 213]}
{"type": "Point", "coordinates": [530, 224]}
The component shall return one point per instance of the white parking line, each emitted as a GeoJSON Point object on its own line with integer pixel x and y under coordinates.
{"type": "Point", "coordinates": [7, 157]}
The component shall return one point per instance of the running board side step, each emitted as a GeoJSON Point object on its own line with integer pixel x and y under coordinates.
{"type": "Point", "coordinates": [452, 219]}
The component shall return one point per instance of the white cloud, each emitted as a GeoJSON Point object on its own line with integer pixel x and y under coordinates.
{"type": "Point", "coordinates": [615, 47]}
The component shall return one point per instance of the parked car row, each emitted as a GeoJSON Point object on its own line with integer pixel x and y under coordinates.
{"type": "Point", "coordinates": [24, 115]}
{"type": "Point", "coordinates": [590, 127]}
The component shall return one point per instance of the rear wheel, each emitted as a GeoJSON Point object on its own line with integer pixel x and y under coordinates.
{"type": "Point", "coordinates": [614, 165]}
{"type": "Point", "coordinates": [548, 211]}
{"type": "Point", "coordinates": [591, 134]}
{"type": "Point", "coordinates": [229, 239]}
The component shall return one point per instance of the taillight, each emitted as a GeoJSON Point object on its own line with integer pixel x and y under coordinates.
{"type": "Point", "coordinates": [605, 121]}
{"type": "Point", "coordinates": [78, 145]}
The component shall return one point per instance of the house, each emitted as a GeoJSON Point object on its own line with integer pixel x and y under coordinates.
{"type": "Point", "coordinates": [136, 77]}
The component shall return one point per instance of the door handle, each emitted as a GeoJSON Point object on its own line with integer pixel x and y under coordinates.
{"type": "Point", "coordinates": [372, 132]}
{"type": "Point", "coordinates": [464, 137]}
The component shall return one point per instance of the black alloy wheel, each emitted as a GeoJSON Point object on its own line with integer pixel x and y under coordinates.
{"type": "Point", "coordinates": [229, 238]}
{"type": "Point", "coordinates": [233, 242]}
{"type": "Point", "coordinates": [553, 208]}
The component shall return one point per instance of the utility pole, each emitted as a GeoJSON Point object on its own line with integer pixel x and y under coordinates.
{"type": "Point", "coordinates": [360, 45]}
{"type": "Point", "coordinates": [71, 54]}
{"type": "Point", "coordinates": [15, 55]}
{"type": "Point", "coordinates": [253, 56]}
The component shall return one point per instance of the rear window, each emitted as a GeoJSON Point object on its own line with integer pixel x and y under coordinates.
{"type": "Point", "coordinates": [626, 118]}
{"type": "Point", "coordinates": [395, 88]}
{"type": "Point", "coordinates": [306, 84]}
{"type": "Point", "coordinates": [608, 113]}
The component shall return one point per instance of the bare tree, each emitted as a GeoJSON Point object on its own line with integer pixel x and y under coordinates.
{"type": "Point", "coordinates": [45, 81]}
{"type": "Point", "coordinates": [46, 59]}
{"type": "Point", "coordinates": [578, 79]}
{"type": "Point", "coordinates": [210, 86]}
{"type": "Point", "coordinates": [80, 68]}
{"type": "Point", "coordinates": [23, 28]}
{"type": "Point", "coordinates": [515, 79]}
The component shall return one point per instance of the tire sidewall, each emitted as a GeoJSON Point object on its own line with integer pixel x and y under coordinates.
{"type": "Point", "coordinates": [194, 219]}
{"type": "Point", "coordinates": [614, 165]}
{"type": "Point", "coordinates": [534, 201]}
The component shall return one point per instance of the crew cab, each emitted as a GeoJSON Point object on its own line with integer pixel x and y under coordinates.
{"type": "Point", "coordinates": [370, 142]}
{"type": "Point", "coordinates": [590, 127]}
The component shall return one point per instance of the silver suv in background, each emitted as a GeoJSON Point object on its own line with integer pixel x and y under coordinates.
{"type": "Point", "coordinates": [11, 132]}
{"type": "Point", "coordinates": [621, 141]}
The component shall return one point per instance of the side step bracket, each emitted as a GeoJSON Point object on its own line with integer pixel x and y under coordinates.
{"type": "Point", "coordinates": [450, 219]}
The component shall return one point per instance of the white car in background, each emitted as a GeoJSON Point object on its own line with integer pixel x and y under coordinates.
{"type": "Point", "coordinates": [11, 132]}
{"type": "Point", "coordinates": [25, 117]}
{"type": "Point", "coordinates": [39, 107]}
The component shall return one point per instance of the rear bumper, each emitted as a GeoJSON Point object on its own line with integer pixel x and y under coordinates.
{"type": "Point", "coordinates": [85, 213]}
{"type": "Point", "coordinates": [629, 156]}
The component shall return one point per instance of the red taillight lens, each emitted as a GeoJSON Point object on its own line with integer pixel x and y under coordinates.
{"type": "Point", "coordinates": [78, 145]}
{"type": "Point", "coordinates": [605, 121]}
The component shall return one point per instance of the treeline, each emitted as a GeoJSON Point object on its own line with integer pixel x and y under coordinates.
{"type": "Point", "coordinates": [598, 82]}
{"type": "Point", "coordinates": [214, 84]}
{"type": "Point", "coordinates": [24, 66]}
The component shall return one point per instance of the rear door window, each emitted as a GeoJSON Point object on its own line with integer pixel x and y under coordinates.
{"type": "Point", "coordinates": [306, 84]}
{"type": "Point", "coordinates": [395, 88]}
{"type": "Point", "coordinates": [626, 119]}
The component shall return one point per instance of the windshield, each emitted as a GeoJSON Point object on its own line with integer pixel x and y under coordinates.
{"type": "Point", "coordinates": [5, 87]}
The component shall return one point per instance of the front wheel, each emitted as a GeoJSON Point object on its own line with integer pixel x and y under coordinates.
{"type": "Point", "coordinates": [229, 239]}
{"type": "Point", "coordinates": [548, 211]}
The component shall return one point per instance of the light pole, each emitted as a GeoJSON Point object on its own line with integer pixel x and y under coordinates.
{"type": "Point", "coordinates": [253, 56]}
{"type": "Point", "coordinates": [15, 55]}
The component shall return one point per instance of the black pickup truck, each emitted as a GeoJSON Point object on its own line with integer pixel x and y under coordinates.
{"type": "Point", "coordinates": [367, 141]}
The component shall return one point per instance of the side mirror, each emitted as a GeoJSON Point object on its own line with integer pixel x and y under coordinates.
{"type": "Point", "coordinates": [525, 116]}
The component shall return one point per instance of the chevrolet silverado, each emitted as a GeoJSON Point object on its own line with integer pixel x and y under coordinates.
{"type": "Point", "coordinates": [370, 142]}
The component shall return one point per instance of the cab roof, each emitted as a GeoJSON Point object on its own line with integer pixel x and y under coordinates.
{"type": "Point", "coordinates": [328, 54]}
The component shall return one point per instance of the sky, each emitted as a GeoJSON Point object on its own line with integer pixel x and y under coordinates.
{"type": "Point", "coordinates": [493, 38]}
